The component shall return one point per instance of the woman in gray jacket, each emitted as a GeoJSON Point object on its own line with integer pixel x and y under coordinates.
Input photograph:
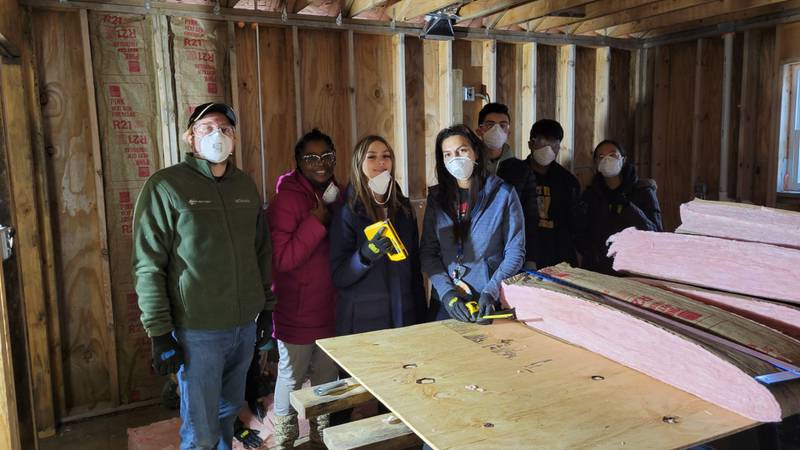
{"type": "Point", "coordinates": [473, 235]}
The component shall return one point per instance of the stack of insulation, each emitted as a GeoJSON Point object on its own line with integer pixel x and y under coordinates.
{"type": "Point", "coordinates": [731, 270]}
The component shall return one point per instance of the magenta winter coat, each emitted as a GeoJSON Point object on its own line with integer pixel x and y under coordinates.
{"type": "Point", "coordinates": [300, 264]}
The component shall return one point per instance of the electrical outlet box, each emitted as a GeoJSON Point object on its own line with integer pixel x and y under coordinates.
{"type": "Point", "coordinates": [6, 242]}
{"type": "Point", "coordinates": [469, 94]}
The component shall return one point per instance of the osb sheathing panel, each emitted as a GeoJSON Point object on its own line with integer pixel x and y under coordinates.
{"type": "Point", "coordinates": [128, 122]}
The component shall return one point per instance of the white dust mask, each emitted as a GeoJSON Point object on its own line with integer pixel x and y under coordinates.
{"type": "Point", "coordinates": [331, 194]}
{"type": "Point", "coordinates": [460, 167]}
{"type": "Point", "coordinates": [216, 147]}
{"type": "Point", "coordinates": [496, 137]}
{"type": "Point", "coordinates": [380, 183]}
{"type": "Point", "coordinates": [544, 156]}
{"type": "Point", "coordinates": [610, 166]}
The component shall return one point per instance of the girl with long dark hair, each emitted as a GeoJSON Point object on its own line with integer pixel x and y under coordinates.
{"type": "Point", "coordinates": [473, 234]}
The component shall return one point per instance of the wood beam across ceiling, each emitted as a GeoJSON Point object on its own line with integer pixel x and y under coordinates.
{"type": "Point", "coordinates": [406, 10]}
{"type": "Point", "coordinates": [730, 18]}
{"type": "Point", "coordinates": [537, 9]}
{"type": "Point", "coordinates": [592, 11]}
{"type": "Point", "coordinates": [636, 14]}
{"type": "Point", "coordinates": [687, 15]}
{"type": "Point", "coordinates": [483, 8]}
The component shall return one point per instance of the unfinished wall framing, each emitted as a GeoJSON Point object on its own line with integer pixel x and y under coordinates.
{"type": "Point", "coordinates": [146, 72]}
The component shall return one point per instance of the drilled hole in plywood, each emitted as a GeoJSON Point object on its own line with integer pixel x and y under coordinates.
{"type": "Point", "coordinates": [409, 366]}
{"type": "Point", "coordinates": [670, 419]}
{"type": "Point", "coordinates": [488, 425]}
{"type": "Point", "coordinates": [426, 381]}
{"type": "Point", "coordinates": [598, 377]}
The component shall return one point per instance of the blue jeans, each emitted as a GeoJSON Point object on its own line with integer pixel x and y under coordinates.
{"type": "Point", "coordinates": [212, 381]}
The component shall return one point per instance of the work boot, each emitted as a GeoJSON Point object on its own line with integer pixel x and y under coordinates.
{"type": "Point", "coordinates": [286, 431]}
{"type": "Point", "coordinates": [318, 424]}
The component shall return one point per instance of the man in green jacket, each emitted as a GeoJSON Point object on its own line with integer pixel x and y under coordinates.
{"type": "Point", "coordinates": [202, 262]}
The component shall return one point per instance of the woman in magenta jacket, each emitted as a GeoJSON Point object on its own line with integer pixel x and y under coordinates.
{"type": "Point", "coordinates": [299, 217]}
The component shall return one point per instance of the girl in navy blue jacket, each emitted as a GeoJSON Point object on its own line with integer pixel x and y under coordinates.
{"type": "Point", "coordinates": [473, 235]}
{"type": "Point", "coordinates": [374, 292]}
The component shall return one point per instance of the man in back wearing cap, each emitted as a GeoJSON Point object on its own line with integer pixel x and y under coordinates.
{"type": "Point", "coordinates": [202, 263]}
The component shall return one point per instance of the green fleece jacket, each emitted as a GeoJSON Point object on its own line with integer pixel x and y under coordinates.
{"type": "Point", "coordinates": [201, 249]}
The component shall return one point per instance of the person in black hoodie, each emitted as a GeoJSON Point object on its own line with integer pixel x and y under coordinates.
{"type": "Point", "coordinates": [548, 193]}
{"type": "Point", "coordinates": [616, 199]}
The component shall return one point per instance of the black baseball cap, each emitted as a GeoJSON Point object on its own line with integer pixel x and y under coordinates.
{"type": "Point", "coordinates": [206, 108]}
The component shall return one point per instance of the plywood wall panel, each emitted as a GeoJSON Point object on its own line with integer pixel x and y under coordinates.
{"type": "Point", "coordinates": [509, 85]}
{"type": "Point", "coordinates": [547, 66]}
{"type": "Point", "coordinates": [323, 80]}
{"type": "Point", "coordinates": [672, 128]}
{"type": "Point", "coordinates": [472, 76]}
{"type": "Point", "coordinates": [621, 122]}
{"type": "Point", "coordinates": [278, 104]}
{"type": "Point", "coordinates": [78, 246]}
{"type": "Point", "coordinates": [415, 118]}
{"type": "Point", "coordinates": [585, 62]}
{"type": "Point", "coordinates": [375, 96]}
{"type": "Point", "coordinates": [248, 151]}
{"type": "Point", "coordinates": [709, 118]}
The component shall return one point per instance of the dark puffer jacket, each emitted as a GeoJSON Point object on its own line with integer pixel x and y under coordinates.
{"type": "Point", "coordinates": [604, 211]}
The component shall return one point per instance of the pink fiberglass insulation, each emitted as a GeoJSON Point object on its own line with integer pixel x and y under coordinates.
{"type": "Point", "coordinates": [778, 316]}
{"type": "Point", "coordinates": [660, 353]}
{"type": "Point", "coordinates": [747, 268]}
{"type": "Point", "coordinates": [741, 222]}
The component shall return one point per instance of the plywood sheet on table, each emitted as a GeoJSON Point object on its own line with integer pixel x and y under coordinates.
{"type": "Point", "coordinates": [462, 385]}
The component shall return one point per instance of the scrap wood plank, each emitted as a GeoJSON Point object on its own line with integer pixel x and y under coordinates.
{"type": "Point", "coordinates": [308, 404]}
{"type": "Point", "coordinates": [384, 432]}
{"type": "Point", "coordinates": [513, 386]}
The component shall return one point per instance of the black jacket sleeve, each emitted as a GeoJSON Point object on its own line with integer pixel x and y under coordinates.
{"type": "Point", "coordinates": [643, 211]}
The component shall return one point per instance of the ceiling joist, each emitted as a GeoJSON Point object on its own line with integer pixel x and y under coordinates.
{"type": "Point", "coordinates": [687, 15]}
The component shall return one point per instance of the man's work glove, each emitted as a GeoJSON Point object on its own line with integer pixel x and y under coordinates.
{"type": "Point", "coordinates": [485, 308]}
{"type": "Point", "coordinates": [167, 354]}
{"type": "Point", "coordinates": [374, 249]}
{"type": "Point", "coordinates": [264, 331]}
{"type": "Point", "coordinates": [456, 306]}
{"type": "Point", "coordinates": [247, 436]}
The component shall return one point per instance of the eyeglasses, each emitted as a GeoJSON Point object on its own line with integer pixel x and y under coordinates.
{"type": "Point", "coordinates": [327, 159]}
{"type": "Point", "coordinates": [204, 129]}
{"type": "Point", "coordinates": [487, 125]}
